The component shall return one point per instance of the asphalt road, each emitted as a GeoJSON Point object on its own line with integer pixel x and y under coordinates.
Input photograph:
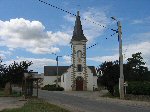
{"type": "Point", "coordinates": [80, 104]}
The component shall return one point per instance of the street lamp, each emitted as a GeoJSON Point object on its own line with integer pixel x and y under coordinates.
{"type": "Point", "coordinates": [57, 70]}
{"type": "Point", "coordinates": [121, 79]}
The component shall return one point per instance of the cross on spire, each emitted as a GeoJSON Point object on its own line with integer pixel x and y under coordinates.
{"type": "Point", "coordinates": [77, 13]}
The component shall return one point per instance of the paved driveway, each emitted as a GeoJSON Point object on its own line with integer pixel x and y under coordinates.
{"type": "Point", "coordinates": [82, 104]}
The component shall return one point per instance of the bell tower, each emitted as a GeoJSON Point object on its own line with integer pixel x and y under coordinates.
{"type": "Point", "coordinates": [79, 68]}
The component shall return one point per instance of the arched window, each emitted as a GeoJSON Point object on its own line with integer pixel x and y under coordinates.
{"type": "Point", "coordinates": [79, 54]}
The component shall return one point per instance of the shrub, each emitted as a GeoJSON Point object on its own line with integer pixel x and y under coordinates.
{"type": "Point", "coordinates": [139, 88]}
{"type": "Point", "coordinates": [52, 88]}
{"type": "Point", "coordinates": [59, 89]}
{"type": "Point", "coordinates": [116, 90]}
{"type": "Point", "coordinates": [135, 88]}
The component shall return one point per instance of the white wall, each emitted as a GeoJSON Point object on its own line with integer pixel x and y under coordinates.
{"type": "Point", "coordinates": [66, 84]}
{"type": "Point", "coordinates": [62, 82]}
{"type": "Point", "coordinates": [90, 80]}
{"type": "Point", "coordinates": [95, 81]}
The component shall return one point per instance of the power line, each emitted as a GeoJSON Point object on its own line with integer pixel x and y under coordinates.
{"type": "Point", "coordinates": [53, 53]}
{"type": "Point", "coordinates": [92, 46]}
{"type": "Point", "coordinates": [57, 7]}
{"type": "Point", "coordinates": [68, 12]}
{"type": "Point", "coordinates": [86, 48]}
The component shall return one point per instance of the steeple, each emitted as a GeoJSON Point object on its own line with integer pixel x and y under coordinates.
{"type": "Point", "coordinates": [78, 32]}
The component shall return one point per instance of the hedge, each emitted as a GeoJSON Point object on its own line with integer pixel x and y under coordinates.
{"type": "Point", "coordinates": [135, 88]}
{"type": "Point", "coordinates": [52, 88]}
{"type": "Point", "coordinates": [139, 88]}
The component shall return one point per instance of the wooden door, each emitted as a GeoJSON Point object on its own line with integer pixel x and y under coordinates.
{"type": "Point", "coordinates": [79, 84]}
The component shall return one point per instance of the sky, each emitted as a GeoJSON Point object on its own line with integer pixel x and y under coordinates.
{"type": "Point", "coordinates": [33, 31]}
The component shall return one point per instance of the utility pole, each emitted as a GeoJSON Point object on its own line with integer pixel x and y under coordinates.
{"type": "Point", "coordinates": [121, 78]}
{"type": "Point", "coordinates": [57, 70]}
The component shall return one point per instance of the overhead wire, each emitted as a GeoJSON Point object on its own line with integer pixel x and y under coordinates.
{"type": "Point", "coordinates": [86, 48]}
{"type": "Point", "coordinates": [68, 12]}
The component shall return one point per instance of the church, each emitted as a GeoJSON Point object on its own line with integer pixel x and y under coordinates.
{"type": "Point", "coordinates": [78, 76]}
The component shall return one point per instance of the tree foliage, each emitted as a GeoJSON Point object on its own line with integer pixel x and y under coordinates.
{"type": "Point", "coordinates": [14, 72]}
{"type": "Point", "coordinates": [2, 78]}
{"type": "Point", "coordinates": [134, 70]}
{"type": "Point", "coordinates": [109, 75]}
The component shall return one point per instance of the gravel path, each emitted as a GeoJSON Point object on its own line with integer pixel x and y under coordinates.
{"type": "Point", "coordinates": [97, 96]}
{"type": "Point", "coordinates": [78, 102]}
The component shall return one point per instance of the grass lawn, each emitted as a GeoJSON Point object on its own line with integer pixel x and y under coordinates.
{"type": "Point", "coordinates": [37, 105]}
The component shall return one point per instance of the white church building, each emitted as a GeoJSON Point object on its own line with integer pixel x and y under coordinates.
{"type": "Point", "coordinates": [78, 76]}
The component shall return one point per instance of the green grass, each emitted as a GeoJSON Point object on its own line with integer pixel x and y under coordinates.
{"type": "Point", "coordinates": [37, 105]}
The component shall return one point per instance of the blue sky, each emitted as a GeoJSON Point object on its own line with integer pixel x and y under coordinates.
{"type": "Point", "coordinates": [31, 30]}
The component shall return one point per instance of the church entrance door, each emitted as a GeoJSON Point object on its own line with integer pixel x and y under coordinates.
{"type": "Point", "coordinates": [79, 84]}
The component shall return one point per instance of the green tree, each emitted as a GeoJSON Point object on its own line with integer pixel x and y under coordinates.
{"type": "Point", "coordinates": [109, 75]}
{"type": "Point", "coordinates": [2, 79]}
{"type": "Point", "coordinates": [134, 70]}
{"type": "Point", "coordinates": [14, 72]}
{"type": "Point", "coordinates": [17, 70]}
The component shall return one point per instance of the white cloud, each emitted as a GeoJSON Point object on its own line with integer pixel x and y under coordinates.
{"type": "Point", "coordinates": [44, 50]}
{"type": "Point", "coordinates": [141, 21]}
{"type": "Point", "coordinates": [67, 59]}
{"type": "Point", "coordinates": [31, 35]}
{"type": "Point", "coordinates": [145, 36]}
{"type": "Point", "coordinates": [142, 47]}
{"type": "Point", "coordinates": [59, 38]}
{"type": "Point", "coordinates": [38, 63]}
{"type": "Point", "coordinates": [134, 48]}
{"type": "Point", "coordinates": [128, 50]}
{"type": "Point", "coordinates": [137, 21]}
{"type": "Point", "coordinates": [3, 54]}
{"type": "Point", "coordinates": [104, 58]}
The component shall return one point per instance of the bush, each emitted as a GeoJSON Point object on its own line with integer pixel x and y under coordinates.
{"type": "Point", "coordinates": [16, 94]}
{"type": "Point", "coordinates": [59, 89]}
{"type": "Point", "coordinates": [139, 88]}
{"type": "Point", "coordinates": [135, 88]}
{"type": "Point", "coordinates": [116, 90]}
{"type": "Point", "coordinates": [52, 88]}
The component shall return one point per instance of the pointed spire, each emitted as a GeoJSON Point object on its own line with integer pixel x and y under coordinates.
{"type": "Point", "coordinates": [78, 32]}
